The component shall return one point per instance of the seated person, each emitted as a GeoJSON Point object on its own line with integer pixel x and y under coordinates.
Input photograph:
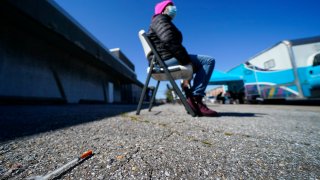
{"type": "Point", "coordinates": [168, 42]}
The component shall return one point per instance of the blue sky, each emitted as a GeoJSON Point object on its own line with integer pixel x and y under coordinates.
{"type": "Point", "coordinates": [231, 31]}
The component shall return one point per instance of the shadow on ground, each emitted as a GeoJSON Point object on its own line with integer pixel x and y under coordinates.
{"type": "Point", "coordinates": [24, 120]}
{"type": "Point", "coordinates": [223, 114]}
{"type": "Point", "coordinates": [236, 114]}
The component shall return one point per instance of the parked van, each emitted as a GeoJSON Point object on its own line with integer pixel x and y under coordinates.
{"type": "Point", "coordinates": [288, 70]}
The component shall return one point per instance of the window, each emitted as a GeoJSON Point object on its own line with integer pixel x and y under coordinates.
{"type": "Point", "coordinates": [269, 64]}
{"type": "Point", "coordinates": [316, 60]}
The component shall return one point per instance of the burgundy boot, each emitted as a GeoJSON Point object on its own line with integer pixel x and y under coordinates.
{"type": "Point", "coordinates": [191, 101]}
{"type": "Point", "coordinates": [204, 110]}
{"type": "Point", "coordinates": [193, 105]}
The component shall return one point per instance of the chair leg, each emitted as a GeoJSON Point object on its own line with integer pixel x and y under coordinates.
{"type": "Point", "coordinates": [182, 98]}
{"type": "Point", "coordinates": [154, 96]}
{"type": "Point", "coordinates": [176, 89]}
{"type": "Point", "coordinates": [143, 93]}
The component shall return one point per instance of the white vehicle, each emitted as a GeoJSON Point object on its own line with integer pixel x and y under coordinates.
{"type": "Point", "coordinates": [288, 70]}
{"type": "Point", "coordinates": [211, 99]}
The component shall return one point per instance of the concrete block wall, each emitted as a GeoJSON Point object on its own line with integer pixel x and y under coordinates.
{"type": "Point", "coordinates": [34, 69]}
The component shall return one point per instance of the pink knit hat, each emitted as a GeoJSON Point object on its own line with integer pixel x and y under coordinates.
{"type": "Point", "coordinates": [161, 6]}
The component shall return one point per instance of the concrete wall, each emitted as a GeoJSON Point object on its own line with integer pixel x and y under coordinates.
{"type": "Point", "coordinates": [39, 64]}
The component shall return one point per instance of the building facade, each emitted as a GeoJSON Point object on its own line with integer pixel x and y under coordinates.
{"type": "Point", "coordinates": [46, 56]}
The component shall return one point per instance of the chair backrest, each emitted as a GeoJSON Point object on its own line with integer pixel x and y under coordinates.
{"type": "Point", "coordinates": [146, 48]}
{"type": "Point", "coordinates": [183, 72]}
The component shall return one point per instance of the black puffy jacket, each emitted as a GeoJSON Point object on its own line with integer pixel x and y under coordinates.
{"type": "Point", "coordinates": [167, 39]}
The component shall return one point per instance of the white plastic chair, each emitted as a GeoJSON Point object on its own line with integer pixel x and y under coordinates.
{"type": "Point", "coordinates": [159, 71]}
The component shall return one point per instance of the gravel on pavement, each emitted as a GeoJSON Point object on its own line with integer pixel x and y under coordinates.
{"type": "Point", "coordinates": [245, 142]}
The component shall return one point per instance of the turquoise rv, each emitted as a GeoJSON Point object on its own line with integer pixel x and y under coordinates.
{"type": "Point", "coordinates": [288, 70]}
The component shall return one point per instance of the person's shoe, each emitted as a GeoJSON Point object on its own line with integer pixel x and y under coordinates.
{"type": "Point", "coordinates": [190, 99]}
{"type": "Point", "coordinates": [193, 105]}
{"type": "Point", "coordinates": [203, 109]}
{"type": "Point", "coordinates": [186, 90]}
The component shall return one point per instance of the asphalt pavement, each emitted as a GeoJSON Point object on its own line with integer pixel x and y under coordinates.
{"type": "Point", "coordinates": [245, 142]}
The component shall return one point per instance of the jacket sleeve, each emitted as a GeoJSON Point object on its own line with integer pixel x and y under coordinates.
{"type": "Point", "coordinates": [171, 38]}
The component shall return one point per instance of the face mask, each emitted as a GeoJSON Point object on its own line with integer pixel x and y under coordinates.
{"type": "Point", "coordinates": [172, 11]}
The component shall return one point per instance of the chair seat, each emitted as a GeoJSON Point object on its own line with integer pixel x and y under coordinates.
{"type": "Point", "coordinates": [177, 72]}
